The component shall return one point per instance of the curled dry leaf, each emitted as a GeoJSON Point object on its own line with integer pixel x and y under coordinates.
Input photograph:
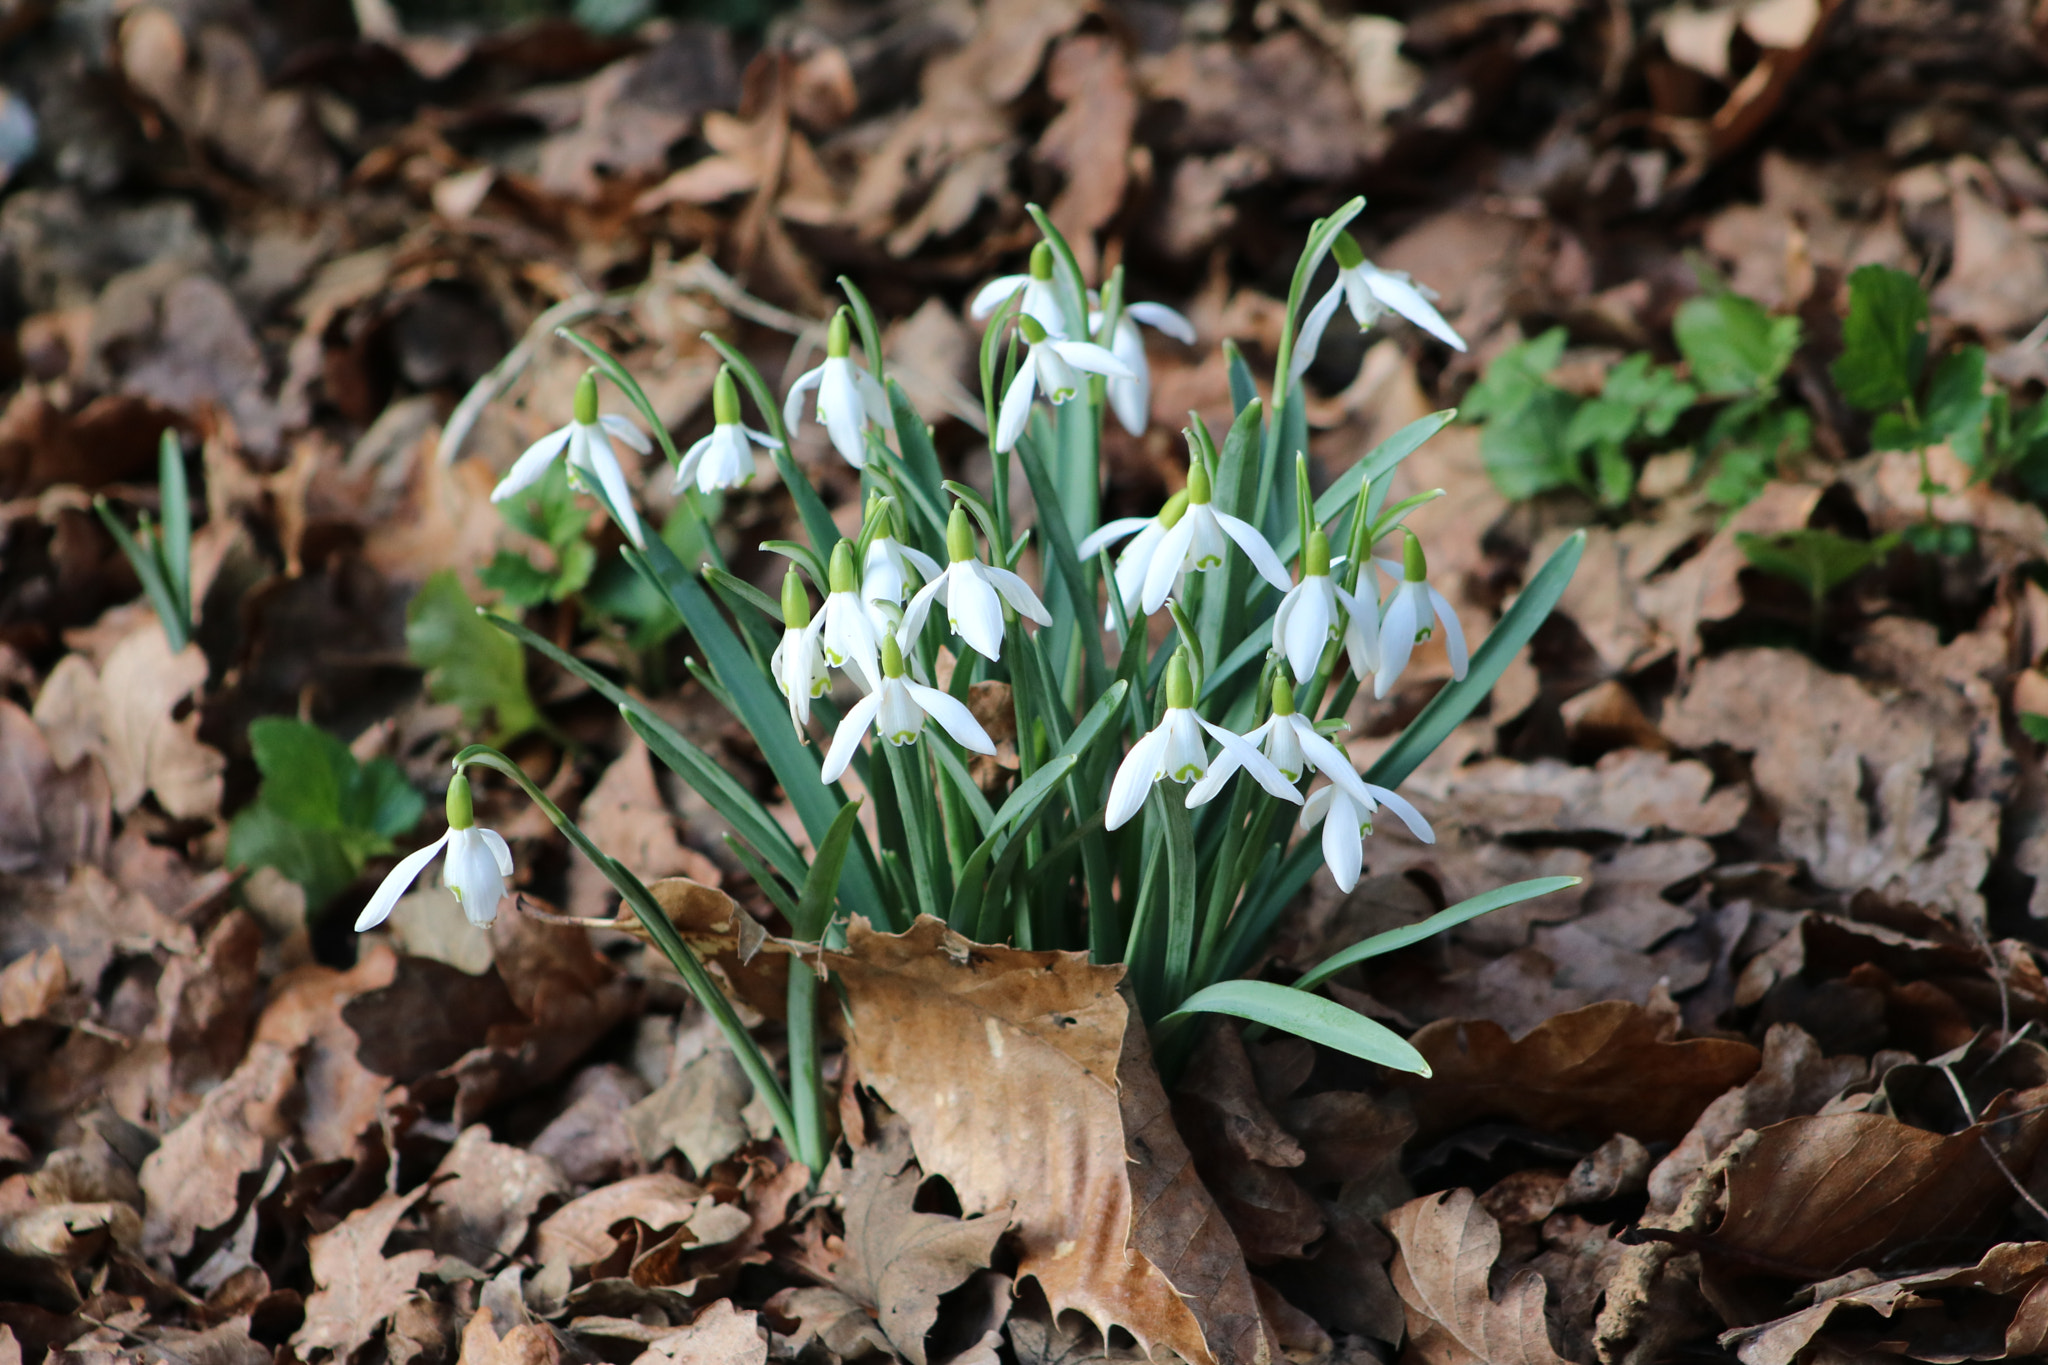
{"type": "Point", "coordinates": [1025, 1087]}
{"type": "Point", "coordinates": [192, 1182]}
{"type": "Point", "coordinates": [1447, 1246]}
{"type": "Point", "coordinates": [1608, 1068]}
{"type": "Point", "coordinates": [359, 1286]}
{"type": "Point", "coordinates": [579, 1233]}
{"type": "Point", "coordinates": [728, 939]}
{"type": "Point", "coordinates": [481, 1209]}
{"type": "Point", "coordinates": [720, 1335]}
{"type": "Point", "coordinates": [126, 714]}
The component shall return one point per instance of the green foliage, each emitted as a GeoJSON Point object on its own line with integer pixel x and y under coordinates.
{"type": "Point", "coordinates": [2034, 726]}
{"type": "Point", "coordinates": [550, 513]}
{"type": "Point", "coordinates": [1734, 347]}
{"type": "Point", "coordinates": [162, 556]}
{"type": "Point", "coordinates": [1819, 561]}
{"type": "Point", "coordinates": [1884, 339]}
{"type": "Point", "coordinates": [479, 669]}
{"type": "Point", "coordinates": [319, 816]}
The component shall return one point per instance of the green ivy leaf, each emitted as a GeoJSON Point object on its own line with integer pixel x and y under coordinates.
{"type": "Point", "coordinates": [1884, 339]}
{"type": "Point", "coordinates": [1733, 345]}
{"type": "Point", "coordinates": [467, 662]}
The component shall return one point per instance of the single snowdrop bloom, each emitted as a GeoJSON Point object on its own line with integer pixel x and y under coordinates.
{"type": "Point", "coordinates": [890, 564]}
{"type": "Point", "coordinates": [1135, 560]}
{"type": "Point", "coordinates": [897, 710]}
{"type": "Point", "coordinates": [974, 594]}
{"type": "Point", "coordinates": [1197, 541]}
{"type": "Point", "coordinates": [1174, 751]}
{"type": "Point", "coordinates": [847, 630]}
{"type": "Point", "coordinates": [1370, 291]}
{"type": "Point", "coordinates": [723, 459]}
{"type": "Point", "coordinates": [586, 438]}
{"type": "Point", "coordinates": [475, 871]}
{"type": "Point", "coordinates": [849, 398]}
{"type": "Point", "coordinates": [798, 663]}
{"type": "Point", "coordinates": [1131, 399]}
{"type": "Point", "coordinates": [1041, 300]}
{"type": "Point", "coordinates": [1295, 746]}
{"type": "Point", "coordinates": [1346, 819]}
{"type": "Point", "coordinates": [1306, 619]}
{"type": "Point", "coordinates": [1412, 611]}
{"type": "Point", "coordinates": [1051, 366]}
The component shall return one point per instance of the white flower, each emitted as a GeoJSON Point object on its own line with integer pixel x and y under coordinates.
{"type": "Point", "coordinates": [722, 459]}
{"type": "Point", "coordinates": [798, 663]}
{"type": "Point", "coordinates": [1346, 820]}
{"type": "Point", "coordinates": [1041, 300]}
{"type": "Point", "coordinates": [897, 710]}
{"type": "Point", "coordinates": [890, 563]}
{"type": "Point", "coordinates": [1174, 751]}
{"type": "Point", "coordinates": [1135, 559]}
{"type": "Point", "coordinates": [1369, 291]}
{"type": "Point", "coordinates": [849, 398]}
{"type": "Point", "coordinates": [1131, 399]}
{"type": "Point", "coordinates": [1049, 368]}
{"type": "Point", "coordinates": [1308, 617]}
{"type": "Point", "coordinates": [848, 631]}
{"type": "Point", "coordinates": [1197, 541]}
{"type": "Point", "coordinates": [1292, 743]}
{"type": "Point", "coordinates": [1410, 615]}
{"type": "Point", "coordinates": [590, 453]}
{"type": "Point", "coordinates": [974, 594]}
{"type": "Point", "coordinates": [476, 868]}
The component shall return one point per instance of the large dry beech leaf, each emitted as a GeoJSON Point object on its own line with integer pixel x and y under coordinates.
{"type": "Point", "coordinates": [359, 1285]}
{"type": "Point", "coordinates": [127, 714]}
{"type": "Point", "coordinates": [1605, 1069]}
{"type": "Point", "coordinates": [1024, 1086]}
{"type": "Point", "coordinates": [1448, 1245]}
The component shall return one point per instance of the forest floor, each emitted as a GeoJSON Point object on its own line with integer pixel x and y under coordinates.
{"type": "Point", "coordinates": [1767, 1085]}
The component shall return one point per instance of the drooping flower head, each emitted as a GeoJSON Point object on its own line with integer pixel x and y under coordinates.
{"type": "Point", "coordinates": [974, 594]}
{"type": "Point", "coordinates": [1369, 291]}
{"type": "Point", "coordinates": [1197, 542]}
{"type": "Point", "coordinates": [1316, 609]}
{"type": "Point", "coordinates": [1051, 366]}
{"type": "Point", "coordinates": [1041, 301]}
{"type": "Point", "coordinates": [475, 870]}
{"type": "Point", "coordinates": [1173, 751]}
{"type": "Point", "coordinates": [1411, 612]}
{"type": "Point", "coordinates": [798, 663]}
{"type": "Point", "coordinates": [1346, 818]}
{"type": "Point", "coordinates": [1134, 561]}
{"type": "Point", "coordinates": [1131, 399]}
{"type": "Point", "coordinates": [889, 564]}
{"type": "Point", "coordinates": [849, 398]}
{"type": "Point", "coordinates": [723, 459]}
{"type": "Point", "coordinates": [591, 459]}
{"type": "Point", "coordinates": [848, 631]}
{"type": "Point", "coordinates": [897, 710]}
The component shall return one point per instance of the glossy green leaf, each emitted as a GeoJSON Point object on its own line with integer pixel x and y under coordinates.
{"type": "Point", "coordinates": [1306, 1016]}
{"type": "Point", "coordinates": [1884, 338]}
{"type": "Point", "coordinates": [1448, 918]}
{"type": "Point", "coordinates": [467, 662]}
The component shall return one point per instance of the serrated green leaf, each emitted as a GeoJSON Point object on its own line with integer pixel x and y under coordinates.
{"type": "Point", "coordinates": [1884, 339]}
{"type": "Point", "coordinates": [1306, 1016]}
{"type": "Point", "coordinates": [1958, 404]}
{"type": "Point", "coordinates": [468, 663]}
{"type": "Point", "coordinates": [517, 580]}
{"type": "Point", "coordinates": [1734, 346]}
{"type": "Point", "coordinates": [1526, 451]}
{"type": "Point", "coordinates": [1514, 377]}
{"type": "Point", "coordinates": [318, 860]}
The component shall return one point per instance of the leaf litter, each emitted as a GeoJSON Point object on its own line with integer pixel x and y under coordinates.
{"type": "Point", "coordinates": [1767, 1084]}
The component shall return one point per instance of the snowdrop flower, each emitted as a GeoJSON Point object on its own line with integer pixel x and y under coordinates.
{"type": "Point", "coordinates": [897, 710]}
{"type": "Point", "coordinates": [1308, 616]}
{"type": "Point", "coordinates": [722, 459]}
{"type": "Point", "coordinates": [1049, 367]}
{"type": "Point", "coordinates": [849, 398]}
{"type": "Point", "coordinates": [1295, 746]}
{"type": "Point", "coordinates": [847, 630]}
{"type": "Point", "coordinates": [586, 438]}
{"type": "Point", "coordinates": [889, 563]}
{"type": "Point", "coordinates": [1411, 613]}
{"type": "Point", "coordinates": [1174, 751]}
{"type": "Point", "coordinates": [1041, 300]}
{"type": "Point", "coordinates": [1197, 541]}
{"type": "Point", "coordinates": [798, 663]}
{"type": "Point", "coordinates": [1347, 820]}
{"type": "Point", "coordinates": [1136, 558]}
{"type": "Point", "coordinates": [477, 865]}
{"type": "Point", "coordinates": [1131, 399]}
{"type": "Point", "coordinates": [974, 594]}
{"type": "Point", "coordinates": [1370, 292]}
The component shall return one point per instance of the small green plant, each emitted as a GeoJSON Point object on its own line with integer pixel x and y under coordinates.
{"type": "Point", "coordinates": [319, 816]}
{"type": "Point", "coordinates": [1818, 561]}
{"type": "Point", "coordinates": [549, 512]}
{"type": "Point", "coordinates": [162, 555]}
{"type": "Point", "coordinates": [2034, 726]}
{"type": "Point", "coordinates": [467, 662]}
{"type": "Point", "coordinates": [1738, 353]}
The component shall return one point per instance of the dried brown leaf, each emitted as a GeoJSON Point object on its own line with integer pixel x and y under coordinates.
{"type": "Point", "coordinates": [1447, 1247]}
{"type": "Point", "coordinates": [489, 1192]}
{"type": "Point", "coordinates": [579, 1233]}
{"type": "Point", "coordinates": [193, 1180]}
{"type": "Point", "coordinates": [1024, 1086]}
{"type": "Point", "coordinates": [358, 1285]}
{"type": "Point", "coordinates": [126, 714]}
{"type": "Point", "coordinates": [51, 818]}
{"type": "Point", "coordinates": [720, 1335]}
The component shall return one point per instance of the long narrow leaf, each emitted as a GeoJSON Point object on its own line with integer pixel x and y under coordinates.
{"type": "Point", "coordinates": [821, 883]}
{"type": "Point", "coordinates": [1449, 918]}
{"type": "Point", "coordinates": [1379, 462]}
{"type": "Point", "coordinates": [1306, 1016]}
{"type": "Point", "coordinates": [141, 558]}
{"type": "Point", "coordinates": [176, 544]}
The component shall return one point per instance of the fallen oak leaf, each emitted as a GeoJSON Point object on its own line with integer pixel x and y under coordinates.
{"type": "Point", "coordinates": [359, 1286]}
{"type": "Point", "coordinates": [1447, 1244]}
{"type": "Point", "coordinates": [126, 713]}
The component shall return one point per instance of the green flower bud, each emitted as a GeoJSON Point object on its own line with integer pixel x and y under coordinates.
{"type": "Point", "coordinates": [1349, 257]}
{"type": "Point", "coordinates": [892, 656]}
{"type": "Point", "coordinates": [1176, 508]}
{"type": "Point", "coordinates": [1180, 685]}
{"type": "Point", "coordinates": [959, 535]}
{"type": "Point", "coordinates": [1316, 563]}
{"type": "Point", "coordinates": [1028, 325]}
{"type": "Point", "coordinates": [839, 336]}
{"type": "Point", "coordinates": [1041, 261]}
{"type": "Point", "coordinates": [1414, 568]}
{"type": "Point", "coordinates": [585, 410]}
{"type": "Point", "coordinates": [843, 576]}
{"type": "Point", "coordinates": [1199, 490]}
{"type": "Point", "coordinates": [725, 398]}
{"type": "Point", "coordinates": [1283, 694]}
{"type": "Point", "coordinates": [461, 806]}
{"type": "Point", "coordinates": [796, 603]}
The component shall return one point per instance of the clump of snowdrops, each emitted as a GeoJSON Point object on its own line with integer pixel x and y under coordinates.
{"type": "Point", "coordinates": [1178, 780]}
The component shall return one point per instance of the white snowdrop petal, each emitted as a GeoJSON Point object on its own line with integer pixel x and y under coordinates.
{"type": "Point", "coordinates": [1256, 549]}
{"type": "Point", "coordinates": [1397, 641]}
{"type": "Point", "coordinates": [1313, 326]}
{"type": "Point", "coordinates": [1108, 534]}
{"type": "Point", "coordinates": [847, 738]}
{"type": "Point", "coordinates": [1410, 816]}
{"type": "Point", "coordinates": [1016, 409]}
{"type": "Point", "coordinates": [793, 405]}
{"type": "Point", "coordinates": [1404, 298]}
{"type": "Point", "coordinates": [532, 463]}
{"type": "Point", "coordinates": [1160, 318]}
{"type": "Point", "coordinates": [1133, 781]}
{"type": "Point", "coordinates": [953, 717]}
{"type": "Point", "coordinates": [623, 428]}
{"type": "Point", "coordinates": [1454, 634]}
{"type": "Point", "coordinates": [396, 883]}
